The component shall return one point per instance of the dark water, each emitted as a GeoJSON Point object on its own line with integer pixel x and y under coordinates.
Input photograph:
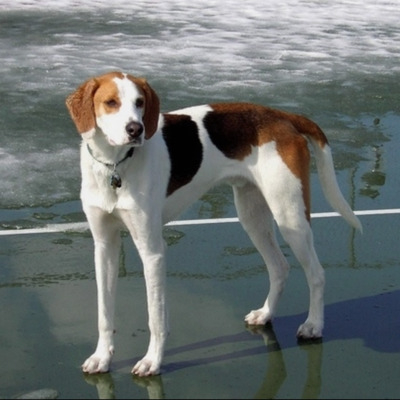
{"type": "Point", "coordinates": [338, 63]}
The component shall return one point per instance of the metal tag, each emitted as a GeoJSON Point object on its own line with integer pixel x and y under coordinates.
{"type": "Point", "coordinates": [115, 180]}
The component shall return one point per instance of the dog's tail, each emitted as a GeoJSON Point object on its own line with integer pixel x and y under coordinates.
{"type": "Point", "coordinates": [326, 170]}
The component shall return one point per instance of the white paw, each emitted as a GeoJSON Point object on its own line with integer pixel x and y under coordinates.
{"type": "Point", "coordinates": [309, 330]}
{"type": "Point", "coordinates": [146, 367]}
{"type": "Point", "coordinates": [257, 317]}
{"type": "Point", "coordinates": [97, 363]}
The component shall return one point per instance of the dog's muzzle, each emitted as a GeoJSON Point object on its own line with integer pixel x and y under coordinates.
{"type": "Point", "coordinates": [134, 130]}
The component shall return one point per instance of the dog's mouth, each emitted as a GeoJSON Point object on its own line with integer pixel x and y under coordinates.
{"type": "Point", "coordinates": [131, 141]}
{"type": "Point", "coordinates": [136, 141]}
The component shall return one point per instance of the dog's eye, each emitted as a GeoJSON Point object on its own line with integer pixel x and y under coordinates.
{"type": "Point", "coordinates": [139, 103]}
{"type": "Point", "coordinates": [111, 103]}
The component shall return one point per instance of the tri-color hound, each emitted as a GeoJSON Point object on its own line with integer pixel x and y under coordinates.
{"type": "Point", "coordinates": [141, 169]}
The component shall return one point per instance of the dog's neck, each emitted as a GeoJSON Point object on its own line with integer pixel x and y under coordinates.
{"type": "Point", "coordinates": [108, 156]}
{"type": "Point", "coordinates": [115, 164]}
{"type": "Point", "coordinates": [103, 152]}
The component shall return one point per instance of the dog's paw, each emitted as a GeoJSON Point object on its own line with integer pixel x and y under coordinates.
{"type": "Point", "coordinates": [309, 330]}
{"type": "Point", "coordinates": [146, 367]}
{"type": "Point", "coordinates": [97, 364]}
{"type": "Point", "coordinates": [257, 317]}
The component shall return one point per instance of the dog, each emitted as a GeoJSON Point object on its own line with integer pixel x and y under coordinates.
{"type": "Point", "coordinates": [141, 168]}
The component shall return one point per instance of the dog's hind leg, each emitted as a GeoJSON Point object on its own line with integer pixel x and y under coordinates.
{"type": "Point", "coordinates": [257, 220]}
{"type": "Point", "coordinates": [286, 202]}
{"type": "Point", "coordinates": [299, 236]}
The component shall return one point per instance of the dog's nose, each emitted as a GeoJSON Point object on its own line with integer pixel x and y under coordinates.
{"type": "Point", "coordinates": [134, 129]}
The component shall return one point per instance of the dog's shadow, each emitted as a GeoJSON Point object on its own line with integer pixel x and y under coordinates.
{"type": "Point", "coordinates": [373, 319]}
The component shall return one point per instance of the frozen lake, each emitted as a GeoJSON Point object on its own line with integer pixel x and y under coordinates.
{"type": "Point", "coordinates": [337, 63]}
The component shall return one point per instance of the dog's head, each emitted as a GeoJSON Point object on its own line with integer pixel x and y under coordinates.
{"type": "Point", "coordinates": [125, 108]}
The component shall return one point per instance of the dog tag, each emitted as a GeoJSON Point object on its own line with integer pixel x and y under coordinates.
{"type": "Point", "coordinates": [115, 180]}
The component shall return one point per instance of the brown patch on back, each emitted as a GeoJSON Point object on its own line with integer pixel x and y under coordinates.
{"type": "Point", "coordinates": [233, 128]}
{"type": "Point", "coordinates": [238, 127]}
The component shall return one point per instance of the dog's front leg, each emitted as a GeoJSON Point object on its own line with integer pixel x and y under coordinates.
{"type": "Point", "coordinates": [107, 243]}
{"type": "Point", "coordinates": [152, 253]}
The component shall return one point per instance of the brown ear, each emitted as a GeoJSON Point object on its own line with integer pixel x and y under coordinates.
{"type": "Point", "coordinates": [151, 107]}
{"type": "Point", "coordinates": [81, 108]}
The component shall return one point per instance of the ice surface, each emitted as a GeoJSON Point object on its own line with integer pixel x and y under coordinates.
{"type": "Point", "coordinates": [275, 51]}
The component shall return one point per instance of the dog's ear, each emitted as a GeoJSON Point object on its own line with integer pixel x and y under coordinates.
{"type": "Point", "coordinates": [151, 107]}
{"type": "Point", "coordinates": [81, 108]}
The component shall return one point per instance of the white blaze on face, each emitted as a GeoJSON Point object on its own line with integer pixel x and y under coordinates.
{"type": "Point", "coordinates": [118, 102]}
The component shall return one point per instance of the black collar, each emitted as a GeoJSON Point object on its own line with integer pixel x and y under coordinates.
{"type": "Point", "coordinates": [128, 154]}
{"type": "Point", "coordinates": [115, 180]}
